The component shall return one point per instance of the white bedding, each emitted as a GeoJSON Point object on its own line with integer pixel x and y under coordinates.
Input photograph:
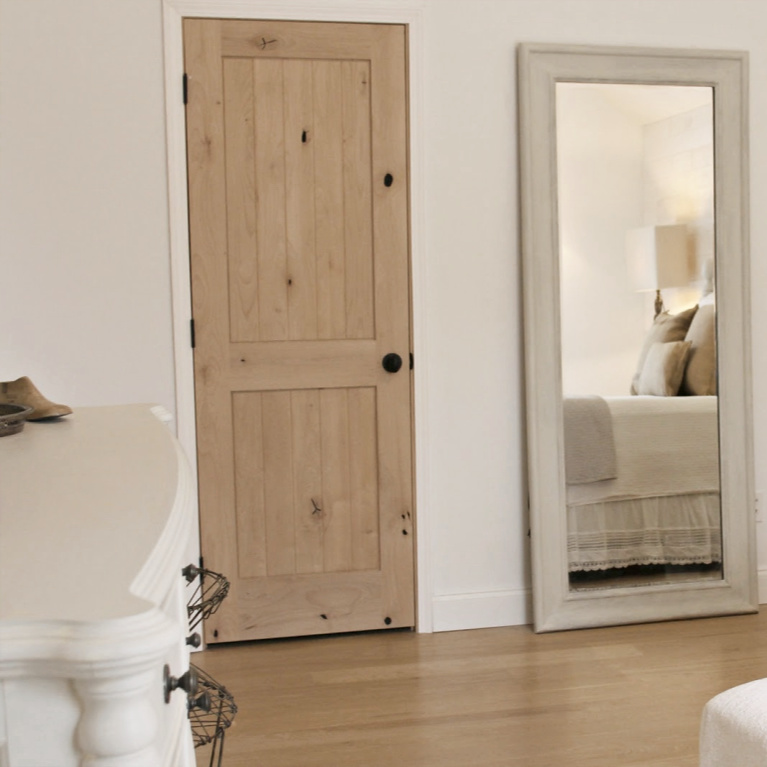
{"type": "Point", "coordinates": [666, 530]}
{"type": "Point", "coordinates": [663, 445]}
{"type": "Point", "coordinates": [663, 507]}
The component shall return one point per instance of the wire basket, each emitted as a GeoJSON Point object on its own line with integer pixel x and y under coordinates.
{"type": "Point", "coordinates": [211, 590]}
{"type": "Point", "coordinates": [211, 714]}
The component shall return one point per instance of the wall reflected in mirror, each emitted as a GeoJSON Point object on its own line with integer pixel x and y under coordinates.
{"type": "Point", "coordinates": [635, 179]}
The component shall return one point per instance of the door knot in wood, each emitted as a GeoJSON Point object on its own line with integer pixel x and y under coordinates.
{"type": "Point", "coordinates": [263, 43]}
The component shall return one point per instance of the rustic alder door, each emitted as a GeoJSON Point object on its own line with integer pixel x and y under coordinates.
{"type": "Point", "coordinates": [297, 159]}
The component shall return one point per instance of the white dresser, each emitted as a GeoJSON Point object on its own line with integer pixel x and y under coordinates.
{"type": "Point", "coordinates": [96, 511]}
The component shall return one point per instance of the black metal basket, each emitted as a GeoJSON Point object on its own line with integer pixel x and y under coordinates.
{"type": "Point", "coordinates": [210, 592]}
{"type": "Point", "coordinates": [211, 714]}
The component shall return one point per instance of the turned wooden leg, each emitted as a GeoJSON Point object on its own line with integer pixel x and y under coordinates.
{"type": "Point", "coordinates": [118, 724]}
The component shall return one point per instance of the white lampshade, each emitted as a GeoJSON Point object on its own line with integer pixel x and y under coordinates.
{"type": "Point", "coordinates": [659, 257]}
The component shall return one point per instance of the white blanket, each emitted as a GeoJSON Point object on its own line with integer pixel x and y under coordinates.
{"type": "Point", "coordinates": [664, 446]}
{"type": "Point", "coordinates": [589, 444]}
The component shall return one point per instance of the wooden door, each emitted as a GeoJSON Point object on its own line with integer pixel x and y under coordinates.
{"type": "Point", "coordinates": [297, 159]}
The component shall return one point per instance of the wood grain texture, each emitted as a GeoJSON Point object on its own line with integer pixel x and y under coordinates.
{"type": "Point", "coordinates": [630, 696]}
{"type": "Point", "coordinates": [249, 484]}
{"type": "Point", "coordinates": [300, 40]}
{"type": "Point", "coordinates": [299, 200]}
{"type": "Point", "coordinates": [270, 195]}
{"type": "Point", "coordinates": [307, 481]}
{"type": "Point", "coordinates": [210, 289]}
{"type": "Point", "coordinates": [300, 267]}
{"type": "Point", "coordinates": [278, 483]}
{"type": "Point", "coordinates": [329, 199]}
{"type": "Point", "coordinates": [242, 240]}
{"type": "Point", "coordinates": [336, 480]}
{"type": "Point", "coordinates": [363, 473]}
{"type": "Point", "coordinates": [358, 237]}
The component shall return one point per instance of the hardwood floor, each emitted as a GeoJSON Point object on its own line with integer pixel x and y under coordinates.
{"type": "Point", "coordinates": [609, 697]}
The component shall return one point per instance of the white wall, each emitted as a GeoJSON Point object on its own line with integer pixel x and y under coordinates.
{"type": "Point", "coordinates": [679, 167]}
{"type": "Point", "coordinates": [621, 165]}
{"type": "Point", "coordinates": [600, 190]}
{"type": "Point", "coordinates": [83, 201]}
{"type": "Point", "coordinates": [84, 248]}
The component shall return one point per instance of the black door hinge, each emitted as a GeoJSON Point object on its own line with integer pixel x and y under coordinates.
{"type": "Point", "coordinates": [411, 360]}
{"type": "Point", "coordinates": [191, 333]}
{"type": "Point", "coordinates": [185, 88]}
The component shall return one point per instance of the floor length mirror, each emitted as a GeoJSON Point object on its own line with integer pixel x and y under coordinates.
{"type": "Point", "coordinates": [634, 170]}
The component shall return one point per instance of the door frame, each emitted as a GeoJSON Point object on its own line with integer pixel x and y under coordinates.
{"type": "Point", "coordinates": [173, 12]}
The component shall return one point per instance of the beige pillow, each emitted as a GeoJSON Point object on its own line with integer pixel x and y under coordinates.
{"type": "Point", "coordinates": [664, 368]}
{"type": "Point", "coordinates": [667, 327]}
{"type": "Point", "coordinates": [700, 373]}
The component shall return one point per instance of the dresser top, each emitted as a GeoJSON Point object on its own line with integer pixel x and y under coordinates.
{"type": "Point", "coordinates": [85, 505]}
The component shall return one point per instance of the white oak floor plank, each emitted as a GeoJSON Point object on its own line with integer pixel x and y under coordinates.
{"type": "Point", "coordinates": [609, 697]}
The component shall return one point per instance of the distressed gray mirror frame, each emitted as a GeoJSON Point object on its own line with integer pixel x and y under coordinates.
{"type": "Point", "coordinates": [540, 67]}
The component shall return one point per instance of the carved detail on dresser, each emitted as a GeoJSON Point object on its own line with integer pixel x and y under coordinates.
{"type": "Point", "coordinates": [96, 516]}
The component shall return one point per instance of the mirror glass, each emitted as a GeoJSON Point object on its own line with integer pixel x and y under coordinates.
{"type": "Point", "coordinates": [635, 193]}
{"type": "Point", "coordinates": [634, 213]}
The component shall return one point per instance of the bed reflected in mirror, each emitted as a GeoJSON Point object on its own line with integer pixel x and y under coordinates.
{"type": "Point", "coordinates": [635, 181]}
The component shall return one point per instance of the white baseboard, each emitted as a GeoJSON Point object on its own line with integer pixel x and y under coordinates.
{"type": "Point", "coordinates": [488, 609]}
{"type": "Point", "coordinates": [762, 583]}
{"type": "Point", "coordinates": [485, 609]}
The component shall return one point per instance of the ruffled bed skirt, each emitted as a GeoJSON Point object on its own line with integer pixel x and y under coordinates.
{"type": "Point", "coordinates": [672, 530]}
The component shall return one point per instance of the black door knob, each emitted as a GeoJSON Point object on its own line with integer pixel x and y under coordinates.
{"type": "Point", "coordinates": [391, 362]}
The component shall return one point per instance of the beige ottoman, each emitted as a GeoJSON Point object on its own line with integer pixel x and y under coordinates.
{"type": "Point", "coordinates": [733, 730]}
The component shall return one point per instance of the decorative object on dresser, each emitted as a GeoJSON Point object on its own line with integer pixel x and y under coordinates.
{"type": "Point", "coordinates": [96, 518]}
{"type": "Point", "coordinates": [23, 392]}
{"type": "Point", "coordinates": [12, 418]}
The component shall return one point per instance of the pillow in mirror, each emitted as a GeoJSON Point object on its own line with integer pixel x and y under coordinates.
{"type": "Point", "coordinates": [666, 328]}
{"type": "Point", "coordinates": [700, 373]}
{"type": "Point", "coordinates": [664, 368]}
